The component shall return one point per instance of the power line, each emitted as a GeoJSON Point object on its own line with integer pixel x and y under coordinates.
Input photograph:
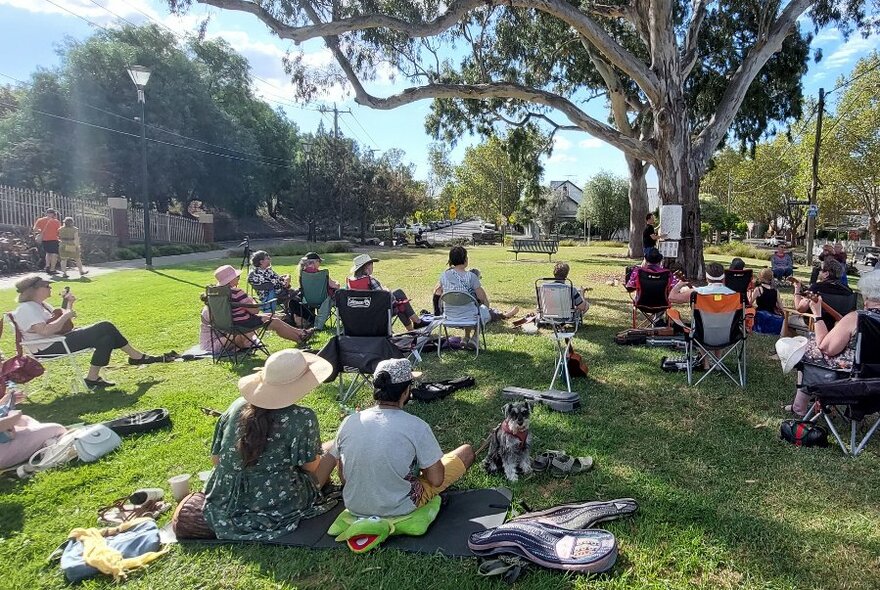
{"type": "Point", "coordinates": [79, 16]}
{"type": "Point", "coordinates": [150, 139]}
{"type": "Point", "coordinates": [846, 83]}
{"type": "Point", "coordinates": [120, 17]}
{"type": "Point", "coordinates": [149, 126]}
{"type": "Point", "coordinates": [364, 130]}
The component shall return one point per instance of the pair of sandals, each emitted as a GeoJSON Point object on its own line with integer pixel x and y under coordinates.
{"type": "Point", "coordinates": [561, 464]}
{"type": "Point", "coordinates": [123, 510]}
{"type": "Point", "coordinates": [149, 359]}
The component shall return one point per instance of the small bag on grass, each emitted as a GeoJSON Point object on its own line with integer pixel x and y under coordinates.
{"type": "Point", "coordinates": [803, 433]}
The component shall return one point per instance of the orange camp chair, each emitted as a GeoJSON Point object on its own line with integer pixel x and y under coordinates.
{"type": "Point", "coordinates": [717, 331]}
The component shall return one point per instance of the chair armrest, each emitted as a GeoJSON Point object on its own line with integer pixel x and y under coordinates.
{"type": "Point", "coordinates": [787, 311]}
{"type": "Point", "coordinates": [250, 305]}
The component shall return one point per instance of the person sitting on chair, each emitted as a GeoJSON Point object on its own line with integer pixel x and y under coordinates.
{"type": "Point", "coordinates": [269, 462]}
{"type": "Point", "coordinates": [829, 272]}
{"type": "Point", "coordinates": [362, 279]}
{"type": "Point", "coordinates": [263, 277]}
{"type": "Point", "coordinates": [681, 292]}
{"type": "Point", "coordinates": [767, 303]}
{"type": "Point", "coordinates": [249, 315]}
{"type": "Point", "coordinates": [36, 319]}
{"type": "Point", "coordinates": [311, 262]}
{"type": "Point", "coordinates": [781, 263]}
{"type": "Point", "coordinates": [653, 262]}
{"type": "Point", "coordinates": [560, 273]}
{"type": "Point", "coordinates": [835, 348]}
{"type": "Point", "coordinates": [389, 460]}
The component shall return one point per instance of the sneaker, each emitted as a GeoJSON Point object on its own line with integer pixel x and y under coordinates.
{"type": "Point", "coordinates": [98, 383]}
{"type": "Point", "coordinates": [145, 360]}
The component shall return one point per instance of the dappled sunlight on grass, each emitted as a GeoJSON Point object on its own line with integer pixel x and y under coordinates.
{"type": "Point", "coordinates": [724, 504]}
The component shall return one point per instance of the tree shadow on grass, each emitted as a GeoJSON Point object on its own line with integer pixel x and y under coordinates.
{"type": "Point", "coordinates": [179, 280]}
{"type": "Point", "coordinates": [72, 408]}
{"type": "Point", "coordinates": [11, 513]}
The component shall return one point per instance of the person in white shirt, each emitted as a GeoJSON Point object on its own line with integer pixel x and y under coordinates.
{"type": "Point", "coordinates": [681, 292]}
{"type": "Point", "coordinates": [37, 319]}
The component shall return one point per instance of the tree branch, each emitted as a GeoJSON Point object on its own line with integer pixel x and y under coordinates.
{"type": "Point", "coordinates": [456, 11]}
{"type": "Point", "coordinates": [708, 139]}
{"type": "Point", "coordinates": [532, 115]}
{"type": "Point", "coordinates": [689, 57]}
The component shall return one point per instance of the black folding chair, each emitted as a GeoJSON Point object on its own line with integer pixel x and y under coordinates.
{"type": "Point", "coordinates": [853, 397]}
{"type": "Point", "coordinates": [739, 281]}
{"type": "Point", "coordinates": [224, 331]}
{"type": "Point", "coordinates": [363, 330]}
{"type": "Point", "coordinates": [838, 297]}
{"type": "Point", "coordinates": [651, 297]}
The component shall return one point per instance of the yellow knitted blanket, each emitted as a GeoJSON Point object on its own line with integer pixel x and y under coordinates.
{"type": "Point", "coordinates": [107, 560]}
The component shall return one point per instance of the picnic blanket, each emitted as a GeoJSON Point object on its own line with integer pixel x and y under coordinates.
{"type": "Point", "coordinates": [463, 513]}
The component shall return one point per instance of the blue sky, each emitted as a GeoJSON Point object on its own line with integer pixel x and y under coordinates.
{"type": "Point", "coordinates": [30, 30]}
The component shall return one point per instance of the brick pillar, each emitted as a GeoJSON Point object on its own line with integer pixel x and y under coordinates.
{"type": "Point", "coordinates": [207, 222]}
{"type": "Point", "coordinates": [119, 218]}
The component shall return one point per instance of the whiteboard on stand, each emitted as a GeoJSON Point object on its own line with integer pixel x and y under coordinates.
{"type": "Point", "coordinates": [670, 222]}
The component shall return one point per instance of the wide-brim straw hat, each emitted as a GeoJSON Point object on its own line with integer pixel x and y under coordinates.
{"type": "Point", "coordinates": [226, 274]}
{"type": "Point", "coordinates": [360, 260]}
{"type": "Point", "coordinates": [286, 378]}
{"type": "Point", "coordinates": [791, 351]}
{"type": "Point", "coordinates": [9, 421]}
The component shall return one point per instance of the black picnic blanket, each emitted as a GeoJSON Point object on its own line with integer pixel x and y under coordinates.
{"type": "Point", "coordinates": [463, 512]}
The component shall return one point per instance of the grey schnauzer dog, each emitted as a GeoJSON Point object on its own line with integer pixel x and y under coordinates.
{"type": "Point", "coordinates": [510, 442]}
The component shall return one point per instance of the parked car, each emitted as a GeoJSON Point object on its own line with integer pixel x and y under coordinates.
{"type": "Point", "coordinates": [867, 255]}
{"type": "Point", "coordinates": [774, 241]}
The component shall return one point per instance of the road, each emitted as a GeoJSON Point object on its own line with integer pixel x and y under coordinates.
{"type": "Point", "coordinates": [459, 230]}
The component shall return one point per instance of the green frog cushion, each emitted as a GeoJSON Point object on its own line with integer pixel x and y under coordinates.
{"type": "Point", "coordinates": [363, 534]}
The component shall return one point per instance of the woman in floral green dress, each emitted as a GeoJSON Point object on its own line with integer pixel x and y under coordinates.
{"type": "Point", "coordinates": [267, 452]}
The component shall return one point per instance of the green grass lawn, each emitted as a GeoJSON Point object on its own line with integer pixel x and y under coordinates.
{"type": "Point", "coordinates": [724, 503]}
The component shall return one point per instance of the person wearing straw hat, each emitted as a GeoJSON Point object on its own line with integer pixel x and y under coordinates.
{"type": "Point", "coordinates": [247, 313]}
{"type": "Point", "coordinates": [362, 279]}
{"type": "Point", "coordinates": [36, 319]}
{"type": "Point", "coordinates": [389, 460]}
{"type": "Point", "coordinates": [269, 463]}
{"type": "Point", "coordinates": [835, 348]}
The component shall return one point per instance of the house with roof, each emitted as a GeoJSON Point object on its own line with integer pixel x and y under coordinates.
{"type": "Point", "coordinates": [570, 197]}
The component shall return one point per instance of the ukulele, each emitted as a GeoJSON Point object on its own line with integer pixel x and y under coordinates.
{"type": "Point", "coordinates": [56, 313]}
{"type": "Point", "coordinates": [577, 366]}
{"type": "Point", "coordinates": [813, 296]}
{"type": "Point", "coordinates": [680, 276]}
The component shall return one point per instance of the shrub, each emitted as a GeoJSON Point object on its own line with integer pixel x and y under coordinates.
{"type": "Point", "coordinates": [739, 249]}
{"type": "Point", "coordinates": [127, 254]}
{"type": "Point", "coordinates": [609, 244]}
{"type": "Point", "coordinates": [300, 248]}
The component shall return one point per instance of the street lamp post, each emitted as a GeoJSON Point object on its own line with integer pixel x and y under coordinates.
{"type": "Point", "coordinates": [307, 150]}
{"type": "Point", "coordinates": [140, 75]}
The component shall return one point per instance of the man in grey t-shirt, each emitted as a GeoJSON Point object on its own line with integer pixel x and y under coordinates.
{"type": "Point", "coordinates": [390, 460]}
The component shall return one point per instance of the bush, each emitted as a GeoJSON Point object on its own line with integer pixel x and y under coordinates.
{"type": "Point", "coordinates": [609, 244]}
{"type": "Point", "coordinates": [133, 251]}
{"type": "Point", "coordinates": [739, 249]}
{"type": "Point", "coordinates": [127, 254]}
{"type": "Point", "coordinates": [299, 249]}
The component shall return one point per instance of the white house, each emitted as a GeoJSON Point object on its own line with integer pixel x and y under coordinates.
{"type": "Point", "coordinates": [570, 197]}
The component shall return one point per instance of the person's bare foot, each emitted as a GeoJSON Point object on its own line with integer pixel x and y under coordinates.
{"type": "Point", "coordinates": [512, 313]}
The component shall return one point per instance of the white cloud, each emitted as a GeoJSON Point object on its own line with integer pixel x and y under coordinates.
{"type": "Point", "coordinates": [560, 144]}
{"type": "Point", "coordinates": [109, 12]}
{"type": "Point", "coordinates": [591, 143]}
{"type": "Point", "coordinates": [851, 50]}
{"type": "Point", "coordinates": [558, 158]}
{"type": "Point", "coordinates": [827, 35]}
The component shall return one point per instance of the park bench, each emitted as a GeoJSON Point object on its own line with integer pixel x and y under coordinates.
{"type": "Point", "coordinates": [486, 237]}
{"type": "Point", "coordinates": [549, 247]}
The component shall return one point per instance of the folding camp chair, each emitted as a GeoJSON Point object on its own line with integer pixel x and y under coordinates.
{"type": "Point", "coordinates": [30, 346]}
{"type": "Point", "coordinates": [556, 309]}
{"type": "Point", "coordinates": [363, 329]}
{"type": "Point", "coordinates": [739, 281]}
{"type": "Point", "coordinates": [838, 297]}
{"type": "Point", "coordinates": [856, 396]}
{"type": "Point", "coordinates": [717, 331]}
{"type": "Point", "coordinates": [224, 331]}
{"type": "Point", "coordinates": [461, 310]}
{"type": "Point", "coordinates": [267, 298]}
{"type": "Point", "coordinates": [315, 293]}
{"type": "Point", "coordinates": [651, 297]}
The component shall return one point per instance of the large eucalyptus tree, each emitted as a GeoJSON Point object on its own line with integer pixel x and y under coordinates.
{"type": "Point", "coordinates": [417, 37]}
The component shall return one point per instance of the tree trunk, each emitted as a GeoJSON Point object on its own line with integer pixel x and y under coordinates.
{"type": "Point", "coordinates": [638, 205]}
{"type": "Point", "coordinates": [874, 230]}
{"type": "Point", "coordinates": [679, 180]}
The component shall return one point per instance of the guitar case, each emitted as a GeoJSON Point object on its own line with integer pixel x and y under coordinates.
{"type": "Point", "coordinates": [561, 401]}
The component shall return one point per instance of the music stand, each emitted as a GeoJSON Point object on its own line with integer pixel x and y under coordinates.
{"type": "Point", "coordinates": [246, 259]}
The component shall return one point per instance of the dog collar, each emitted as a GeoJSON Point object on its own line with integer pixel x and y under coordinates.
{"type": "Point", "coordinates": [522, 435]}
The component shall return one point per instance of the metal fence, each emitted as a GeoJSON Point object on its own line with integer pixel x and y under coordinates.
{"type": "Point", "coordinates": [21, 207]}
{"type": "Point", "coordinates": [165, 227]}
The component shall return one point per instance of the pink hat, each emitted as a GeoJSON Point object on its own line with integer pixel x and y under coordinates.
{"type": "Point", "coordinates": [225, 274]}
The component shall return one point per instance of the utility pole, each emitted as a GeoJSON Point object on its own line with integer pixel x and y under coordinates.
{"type": "Point", "coordinates": [729, 190]}
{"type": "Point", "coordinates": [814, 185]}
{"type": "Point", "coordinates": [336, 112]}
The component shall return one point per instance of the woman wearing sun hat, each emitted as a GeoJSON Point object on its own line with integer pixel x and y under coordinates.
{"type": "Point", "coordinates": [247, 314]}
{"type": "Point", "coordinates": [362, 279]}
{"type": "Point", "coordinates": [267, 452]}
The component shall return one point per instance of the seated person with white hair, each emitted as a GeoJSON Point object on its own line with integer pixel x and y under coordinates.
{"type": "Point", "coordinates": [681, 292]}
{"type": "Point", "coordinates": [835, 348]}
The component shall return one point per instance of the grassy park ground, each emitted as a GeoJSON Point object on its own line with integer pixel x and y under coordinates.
{"type": "Point", "coordinates": [724, 503]}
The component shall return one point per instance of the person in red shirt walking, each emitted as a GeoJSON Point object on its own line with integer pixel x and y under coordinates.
{"type": "Point", "coordinates": [46, 231]}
